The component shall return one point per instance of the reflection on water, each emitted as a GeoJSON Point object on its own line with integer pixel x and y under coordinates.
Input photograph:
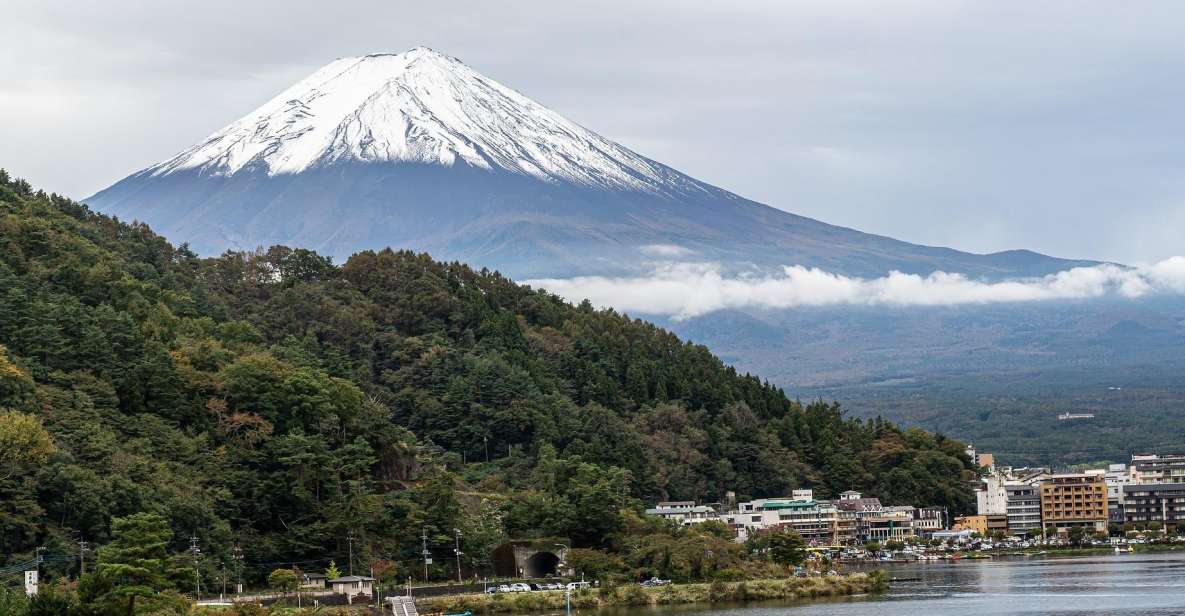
{"type": "Point", "coordinates": [1125, 584]}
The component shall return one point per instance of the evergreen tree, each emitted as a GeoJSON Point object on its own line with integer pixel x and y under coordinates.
{"type": "Point", "coordinates": [135, 563]}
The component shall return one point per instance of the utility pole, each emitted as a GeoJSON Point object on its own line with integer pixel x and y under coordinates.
{"type": "Point", "coordinates": [350, 539]}
{"type": "Point", "coordinates": [32, 578]}
{"type": "Point", "coordinates": [427, 555]}
{"type": "Point", "coordinates": [83, 546]}
{"type": "Point", "coordinates": [457, 550]}
{"type": "Point", "coordinates": [378, 588]}
{"type": "Point", "coordinates": [197, 576]}
{"type": "Point", "coordinates": [485, 443]}
{"type": "Point", "coordinates": [237, 554]}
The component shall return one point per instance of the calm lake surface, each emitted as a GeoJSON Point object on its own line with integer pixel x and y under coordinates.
{"type": "Point", "coordinates": [1097, 585]}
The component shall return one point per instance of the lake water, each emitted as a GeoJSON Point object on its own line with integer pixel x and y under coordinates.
{"type": "Point", "coordinates": [1152, 584]}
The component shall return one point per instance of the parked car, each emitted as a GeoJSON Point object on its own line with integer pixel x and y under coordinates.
{"type": "Point", "coordinates": [491, 590]}
{"type": "Point", "coordinates": [654, 581]}
{"type": "Point", "coordinates": [576, 585]}
{"type": "Point", "coordinates": [504, 588]}
{"type": "Point", "coordinates": [520, 587]}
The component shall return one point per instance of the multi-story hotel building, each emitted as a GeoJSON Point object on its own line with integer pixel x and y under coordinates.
{"type": "Point", "coordinates": [1074, 499]}
{"type": "Point", "coordinates": [1024, 508]}
{"type": "Point", "coordinates": [1157, 468]}
{"type": "Point", "coordinates": [1154, 502]}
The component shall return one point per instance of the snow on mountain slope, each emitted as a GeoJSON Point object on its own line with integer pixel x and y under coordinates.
{"type": "Point", "coordinates": [419, 106]}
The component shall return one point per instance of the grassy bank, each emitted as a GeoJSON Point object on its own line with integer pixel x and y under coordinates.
{"type": "Point", "coordinates": [635, 595]}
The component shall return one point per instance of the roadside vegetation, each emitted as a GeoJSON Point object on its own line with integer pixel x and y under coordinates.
{"type": "Point", "coordinates": [614, 595]}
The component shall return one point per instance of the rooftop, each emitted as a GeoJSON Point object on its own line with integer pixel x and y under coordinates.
{"type": "Point", "coordinates": [660, 510]}
{"type": "Point", "coordinates": [345, 579]}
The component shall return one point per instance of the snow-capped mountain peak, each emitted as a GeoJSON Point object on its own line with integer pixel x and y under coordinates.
{"type": "Point", "coordinates": [419, 106]}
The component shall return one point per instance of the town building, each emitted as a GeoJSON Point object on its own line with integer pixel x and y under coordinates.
{"type": "Point", "coordinates": [849, 520]}
{"type": "Point", "coordinates": [929, 520]}
{"type": "Point", "coordinates": [1116, 476]}
{"type": "Point", "coordinates": [1032, 475]}
{"type": "Point", "coordinates": [972, 523]}
{"type": "Point", "coordinates": [992, 498]}
{"type": "Point", "coordinates": [1074, 499]}
{"type": "Point", "coordinates": [981, 460]}
{"type": "Point", "coordinates": [1163, 503]}
{"type": "Point", "coordinates": [1023, 512]}
{"type": "Point", "coordinates": [953, 536]}
{"type": "Point", "coordinates": [997, 522]}
{"type": "Point", "coordinates": [684, 513]}
{"type": "Point", "coordinates": [892, 524]}
{"type": "Point", "coordinates": [815, 521]}
{"type": "Point", "coordinates": [855, 513]}
{"type": "Point", "coordinates": [984, 525]}
{"type": "Point", "coordinates": [1158, 468]}
{"type": "Point", "coordinates": [353, 586]}
{"type": "Point", "coordinates": [313, 581]}
{"type": "Point", "coordinates": [847, 524]}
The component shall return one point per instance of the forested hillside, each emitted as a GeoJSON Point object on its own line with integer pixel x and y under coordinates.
{"type": "Point", "coordinates": [275, 400]}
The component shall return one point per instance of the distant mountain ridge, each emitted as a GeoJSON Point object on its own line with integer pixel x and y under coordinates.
{"type": "Point", "coordinates": [418, 150]}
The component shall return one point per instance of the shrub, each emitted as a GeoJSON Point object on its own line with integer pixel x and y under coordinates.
{"type": "Point", "coordinates": [634, 594]}
{"type": "Point", "coordinates": [718, 591]}
{"type": "Point", "coordinates": [731, 574]}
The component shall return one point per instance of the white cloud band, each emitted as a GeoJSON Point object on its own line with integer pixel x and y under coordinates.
{"type": "Point", "coordinates": [685, 290]}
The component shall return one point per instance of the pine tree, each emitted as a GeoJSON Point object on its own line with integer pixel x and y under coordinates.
{"type": "Point", "coordinates": [134, 564]}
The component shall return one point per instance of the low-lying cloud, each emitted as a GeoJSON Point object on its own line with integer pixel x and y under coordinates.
{"type": "Point", "coordinates": [686, 290]}
{"type": "Point", "coordinates": [666, 250]}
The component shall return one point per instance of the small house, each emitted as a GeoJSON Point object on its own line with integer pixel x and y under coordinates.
{"type": "Point", "coordinates": [313, 580]}
{"type": "Point", "coordinates": [352, 585]}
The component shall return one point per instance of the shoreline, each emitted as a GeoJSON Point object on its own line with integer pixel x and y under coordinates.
{"type": "Point", "coordinates": [634, 595]}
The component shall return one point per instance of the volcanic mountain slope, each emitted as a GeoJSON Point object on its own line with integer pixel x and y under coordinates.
{"type": "Point", "coordinates": [417, 150]}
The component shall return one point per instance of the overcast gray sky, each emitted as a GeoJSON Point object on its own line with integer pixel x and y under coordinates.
{"type": "Point", "coordinates": [1055, 126]}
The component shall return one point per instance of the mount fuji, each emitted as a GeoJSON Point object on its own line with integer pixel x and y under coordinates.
{"type": "Point", "coordinates": [417, 150]}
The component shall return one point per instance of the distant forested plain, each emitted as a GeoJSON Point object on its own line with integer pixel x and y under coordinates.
{"type": "Point", "coordinates": [995, 375]}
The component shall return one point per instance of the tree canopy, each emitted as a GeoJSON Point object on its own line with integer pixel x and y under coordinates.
{"type": "Point", "coordinates": [277, 402]}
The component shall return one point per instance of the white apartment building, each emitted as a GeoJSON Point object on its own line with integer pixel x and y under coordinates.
{"type": "Point", "coordinates": [992, 497]}
{"type": "Point", "coordinates": [815, 521]}
{"type": "Point", "coordinates": [684, 513]}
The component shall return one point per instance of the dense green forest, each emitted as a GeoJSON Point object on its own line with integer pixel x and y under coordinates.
{"type": "Point", "coordinates": [278, 402]}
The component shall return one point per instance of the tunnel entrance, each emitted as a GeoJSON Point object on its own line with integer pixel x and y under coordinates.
{"type": "Point", "coordinates": [542, 564]}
